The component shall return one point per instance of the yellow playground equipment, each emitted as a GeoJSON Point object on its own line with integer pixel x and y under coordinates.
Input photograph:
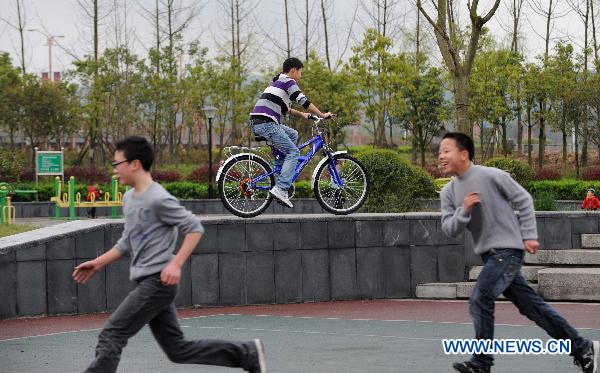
{"type": "Point", "coordinates": [70, 199]}
{"type": "Point", "coordinates": [9, 213]}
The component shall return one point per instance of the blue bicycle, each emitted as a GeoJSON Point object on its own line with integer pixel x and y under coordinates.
{"type": "Point", "coordinates": [340, 182]}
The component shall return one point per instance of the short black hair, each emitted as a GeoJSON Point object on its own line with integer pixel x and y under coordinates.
{"type": "Point", "coordinates": [137, 147]}
{"type": "Point", "coordinates": [463, 142]}
{"type": "Point", "coordinates": [292, 63]}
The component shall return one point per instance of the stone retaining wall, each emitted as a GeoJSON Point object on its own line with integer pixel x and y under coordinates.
{"type": "Point", "coordinates": [296, 258]}
{"type": "Point", "coordinates": [215, 206]}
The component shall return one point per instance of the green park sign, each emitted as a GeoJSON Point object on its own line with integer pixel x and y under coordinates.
{"type": "Point", "coordinates": [49, 163]}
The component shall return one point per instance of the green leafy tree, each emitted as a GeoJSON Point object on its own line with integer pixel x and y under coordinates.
{"type": "Point", "coordinates": [47, 111]}
{"type": "Point", "coordinates": [590, 92]}
{"type": "Point", "coordinates": [532, 91]}
{"type": "Point", "coordinates": [424, 108]}
{"type": "Point", "coordinates": [561, 79]}
{"type": "Point", "coordinates": [332, 91]}
{"type": "Point", "coordinates": [493, 89]}
{"type": "Point", "coordinates": [375, 71]}
{"type": "Point", "coordinates": [114, 82]}
{"type": "Point", "coordinates": [10, 91]}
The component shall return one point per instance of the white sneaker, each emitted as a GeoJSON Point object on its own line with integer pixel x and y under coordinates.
{"type": "Point", "coordinates": [281, 195]}
{"type": "Point", "coordinates": [260, 365]}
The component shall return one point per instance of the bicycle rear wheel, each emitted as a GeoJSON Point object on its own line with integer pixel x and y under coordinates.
{"type": "Point", "coordinates": [240, 194]}
{"type": "Point", "coordinates": [337, 199]}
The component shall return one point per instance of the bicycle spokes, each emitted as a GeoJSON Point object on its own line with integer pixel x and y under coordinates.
{"type": "Point", "coordinates": [342, 188]}
{"type": "Point", "coordinates": [244, 186]}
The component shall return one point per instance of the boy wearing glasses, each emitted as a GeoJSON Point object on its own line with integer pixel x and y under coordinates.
{"type": "Point", "coordinates": [152, 217]}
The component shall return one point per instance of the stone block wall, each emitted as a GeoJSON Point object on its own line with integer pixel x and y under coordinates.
{"type": "Point", "coordinates": [295, 258]}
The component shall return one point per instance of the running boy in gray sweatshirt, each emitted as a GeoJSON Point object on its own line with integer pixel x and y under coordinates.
{"type": "Point", "coordinates": [481, 199]}
{"type": "Point", "coordinates": [152, 217]}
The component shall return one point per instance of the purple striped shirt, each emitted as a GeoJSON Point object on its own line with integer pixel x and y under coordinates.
{"type": "Point", "coordinates": [276, 100]}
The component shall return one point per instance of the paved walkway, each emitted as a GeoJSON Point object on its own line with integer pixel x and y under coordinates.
{"type": "Point", "coordinates": [381, 336]}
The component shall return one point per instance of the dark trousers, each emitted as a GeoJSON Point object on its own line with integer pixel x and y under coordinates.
{"type": "Point", "coordinates": [151, 303]}
{"type": "Point", "coordinates": [501, 274]}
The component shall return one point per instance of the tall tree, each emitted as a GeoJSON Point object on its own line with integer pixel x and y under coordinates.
{"type": "Point", "coordinates": [19, 26]}
{"type": "Point", "coordinates": [493, 81]}
{"type": "Point", "coordinates": [548, 10]}
{"type": "Point", "coordinates": [374, 69]}
{"type": "Point", "coordinates": [382, 16]}
{"type": "Point", "coordinates": [532, 89]}
{"type": "Point", "coordinates": [334, 92]}
{"type": "Point", "coordinates": [239, 58]}
{"type": "Point", "coordinates": [424, 109]}
{"type": "Point", "coordinates": [325, 17]}
{"type": "Point", "coordinates": [561, 79]}
{"type": "Point", "coordinates": [10, 97]}
{"type": "Point", "coordinates": [515, 10]}
{"type": "Point", "coordinates": [582, 8]}
{"type": "Point", "coordinates": [458, 58]}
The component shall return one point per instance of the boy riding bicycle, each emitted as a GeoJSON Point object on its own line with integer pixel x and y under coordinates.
{"type": "Point", "coordinates": [266, 121]}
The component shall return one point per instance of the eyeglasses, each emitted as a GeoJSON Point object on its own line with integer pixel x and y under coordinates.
{"type": "Point", "coordinates": [115, 164]}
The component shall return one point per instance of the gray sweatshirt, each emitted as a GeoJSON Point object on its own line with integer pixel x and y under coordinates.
{"type": "Point", "coordinates": [492, 222]}
{"type": "Point", "coordinates": [150, 234]}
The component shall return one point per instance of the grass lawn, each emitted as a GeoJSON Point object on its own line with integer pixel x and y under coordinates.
{"type": "Point", "coordinates": [8, 230]}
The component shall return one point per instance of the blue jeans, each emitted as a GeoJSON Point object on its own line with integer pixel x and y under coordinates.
{"type": "Point", "coordinates": [501, 274]}
{"type": "Point", "coordinates": [151, 303]}
{"type": "Point", "coordinates": [284, 138]}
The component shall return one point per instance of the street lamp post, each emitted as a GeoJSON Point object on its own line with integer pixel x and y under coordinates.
{"type": "Point", "coordinates": [50, 39]}
{"type": "Point", "coordinates": [209, 112]}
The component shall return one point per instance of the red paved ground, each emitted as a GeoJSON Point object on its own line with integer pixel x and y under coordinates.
{"type": "Point", "coordinates": [581, 315]}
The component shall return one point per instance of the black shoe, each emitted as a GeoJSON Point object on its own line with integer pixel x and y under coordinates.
{"type": "Point", "coordinates": [257, 353]}
{"type": "Point", "coordinates": [469, 367]}
{"type": "Point", "coordinates": [588, 362]}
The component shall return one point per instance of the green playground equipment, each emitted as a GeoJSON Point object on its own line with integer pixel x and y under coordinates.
{"type": "Point", "coordinates": [8, 213]}
{"type": "Point", "coordinates": [71, 200]}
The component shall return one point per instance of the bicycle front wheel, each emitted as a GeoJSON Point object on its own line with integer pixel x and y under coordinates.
{"type": "Point", "coordinates": [349, 195]}
{"type": "Point", "coordinates": [241, 194]}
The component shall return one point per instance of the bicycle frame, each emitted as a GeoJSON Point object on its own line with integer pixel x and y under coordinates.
{"type": "Point", "coordinates": [317, 143]}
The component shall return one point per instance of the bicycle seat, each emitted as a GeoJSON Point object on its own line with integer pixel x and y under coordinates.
{"type": "Point", "coordinates": [260, 138]}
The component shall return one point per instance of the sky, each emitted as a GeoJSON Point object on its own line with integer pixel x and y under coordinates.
{"type": "Point", "coordinates": [66, 18]}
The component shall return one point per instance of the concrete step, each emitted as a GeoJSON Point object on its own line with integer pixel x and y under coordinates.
{"type": "Point", "coordinates": [437, 290]}
{"type": "Point", "coordinates": [581, 257]}
{"type": "Point", "coordinates": [590, 241]}
{"type": "Point", "coordinates": [529, 272]}
{"type": "Point", "coordinates": [581, 284]}
{"type": "Point", "coordinates": [450, 290]}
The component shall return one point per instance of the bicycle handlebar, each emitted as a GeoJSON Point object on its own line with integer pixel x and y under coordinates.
{"type": "Point", "coordinates": [318, 118]}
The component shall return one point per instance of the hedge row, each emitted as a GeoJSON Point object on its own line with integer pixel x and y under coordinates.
{"type": "Point", "coordinates": [396, 185]}
{"type": "Point", "coordinates": [180, 189]}
{"type": "Point", "coordinates": [563, 189]}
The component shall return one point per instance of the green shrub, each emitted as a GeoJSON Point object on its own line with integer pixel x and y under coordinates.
{"type": "Point", "coordinates": [180, 189]}
{"type": "Point", "coordinates": [405, 149]}
{"type": "Point", "coordinates": [396, 185]}
{"type": "Point", "coordinates": [544, 201]}
{"type": "Point", "coordinates": [189, 190]}
{"type": "Point", "coordinates": [360, 149]}
{"type": "Point", "coordinates": [520, 171]}
{"type": "Point", "coordinates": [303, 189]}
{"type": "Point", "coordinates": [10, 166]}
{"type": "Point", "coordinates": [568, 189]}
